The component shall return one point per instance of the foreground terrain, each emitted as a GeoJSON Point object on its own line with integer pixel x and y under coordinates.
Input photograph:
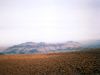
{"type": "Point", "coordinates": [71, 63]}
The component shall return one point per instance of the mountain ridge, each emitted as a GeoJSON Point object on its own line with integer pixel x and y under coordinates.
{"type": "Point", "coordinates": [41, 47]}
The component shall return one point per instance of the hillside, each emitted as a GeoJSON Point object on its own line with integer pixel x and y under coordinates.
{"type": "Point", "coordinates": [91, 44]}
{"type": "Point", "coordinates": [42, 47]}
{"type": "Point", "coordinates": [69, 63]}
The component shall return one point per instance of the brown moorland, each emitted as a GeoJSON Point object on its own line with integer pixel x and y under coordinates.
{"type": "Point", "coordinates": [69, 63]}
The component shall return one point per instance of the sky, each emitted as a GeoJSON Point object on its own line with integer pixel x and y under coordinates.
{"type": "Point", "coordinates": [48, 20]}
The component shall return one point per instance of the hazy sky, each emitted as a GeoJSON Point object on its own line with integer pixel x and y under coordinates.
{"type": "Point", "coordinates": [48, 20]}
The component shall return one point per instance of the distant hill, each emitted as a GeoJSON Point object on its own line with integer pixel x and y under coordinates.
{"type": "Point", "coordinates": [91, 44]}
{"type": "Point", "coordinates": [1, 53]}
{"type": "Point", "coordinates": [3, 48]}
{"type": "Point", "coordinates": [42, 47]}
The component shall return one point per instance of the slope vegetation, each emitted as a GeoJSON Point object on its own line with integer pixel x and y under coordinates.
{"type": "Point", "coordinates": [70, 63]}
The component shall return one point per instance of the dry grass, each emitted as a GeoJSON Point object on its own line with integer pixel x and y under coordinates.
{"type": "Point", "coordinates": [74, 63]}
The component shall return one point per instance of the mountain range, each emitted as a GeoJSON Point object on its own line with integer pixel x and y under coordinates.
{"type": "Point", "coordinates": [91, 44]}
{"type": "Point", "coordinates": [42, 47]}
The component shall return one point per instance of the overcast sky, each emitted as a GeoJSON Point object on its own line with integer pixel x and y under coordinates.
{"type": "Point", "coordinates": [48, 20]}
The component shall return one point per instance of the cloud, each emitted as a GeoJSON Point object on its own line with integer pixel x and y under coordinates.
{"type": "Point", "coordinates": [46, 20]}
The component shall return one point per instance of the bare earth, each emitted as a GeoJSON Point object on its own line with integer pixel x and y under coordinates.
{"type": "Point", "coordinates": [71, 63]}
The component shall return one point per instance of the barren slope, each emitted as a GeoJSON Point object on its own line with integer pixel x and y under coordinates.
{"type": "Point", "coordinates": [73, 63]}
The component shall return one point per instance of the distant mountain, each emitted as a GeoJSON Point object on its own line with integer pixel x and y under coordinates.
{"type": "Point", "coordinates": [91, 44]}
{"type": "Point", "coordinates": [3, 48]}
{"type": "Point", "coordinates": [42, 47]}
